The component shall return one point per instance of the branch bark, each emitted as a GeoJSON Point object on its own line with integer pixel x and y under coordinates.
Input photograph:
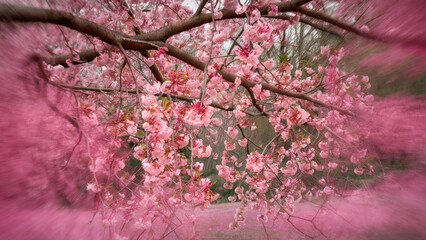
{"type": "Point", "coordinates": [201, 19]}
{"type": "Point", "coordinates": [9, 12]}
{"type": "Point", "coordinates": [154, 68]}
{"type": "Point", "coordinates": [200, 7]}
{"type": "Point", "coordinates": [85, 56]}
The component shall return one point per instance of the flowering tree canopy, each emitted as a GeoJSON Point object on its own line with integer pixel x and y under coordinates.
{"type": "Point", "coordinates": [143, 91]}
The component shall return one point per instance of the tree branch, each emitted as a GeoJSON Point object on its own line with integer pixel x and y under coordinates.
{"type": "Point", "coordinates": [133, 91]}
{"type": "Point", "coordinates": [200, 19]}
{"type": "Point", "coordinates": [230, 77]}
{"type": "Point", "coordinates": [10, 12]}
{"type": "Point", "coordinates": [200, 7]}
{"type": "Point", "coordinates": [154, 68]}
{"type": "Point", "coordinates": [140, 42]}
{"type": "Point", "coordinates": [85, 56]}
{"type": "Point", "coordinates": [308, 22]}
{"type": "Point", "coordinates": [350, 28]}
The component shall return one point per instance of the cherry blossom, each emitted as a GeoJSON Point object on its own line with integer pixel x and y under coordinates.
{"type": "Point", "coordinates": [151, 87]}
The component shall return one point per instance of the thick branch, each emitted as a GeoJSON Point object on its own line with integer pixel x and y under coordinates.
{"type": "Point", "coordinates": [10, 12]}
{"type": "Point", "coordinates": [154, 68]}
{"type": "Point", "coordinates": [200, 7]}
{"type": "Point", "coordinates": [85, 56]}
{"type": "Point", "coordinates": [200, 19]}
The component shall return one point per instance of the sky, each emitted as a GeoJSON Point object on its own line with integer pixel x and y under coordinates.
{"type": "Point", "coordinates": [190, 3]}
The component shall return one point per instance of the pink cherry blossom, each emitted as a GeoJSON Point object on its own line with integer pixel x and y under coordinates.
{"type": "Point", "coordinates": [243, 142]}
{"type": "Point", "coordinates": [232, 132]}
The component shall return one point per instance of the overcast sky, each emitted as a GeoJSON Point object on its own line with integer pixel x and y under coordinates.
{"type": "Point", "coordinates": [191, 4]}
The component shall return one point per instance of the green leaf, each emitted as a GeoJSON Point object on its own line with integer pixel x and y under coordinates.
{"type": "Point", "coordinates": [186, 152]}
{"type": "Point", "coordinates": [140, 133]}
{"type": "Point", "coordinates": [134, 162]}
{"type": "Point", "coordinates": [283, 58]}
